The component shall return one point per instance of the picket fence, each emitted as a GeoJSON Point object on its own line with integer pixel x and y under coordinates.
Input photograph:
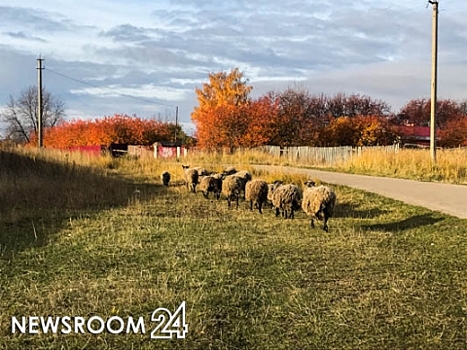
{"type": "Point", "coordinates": [323, 156]}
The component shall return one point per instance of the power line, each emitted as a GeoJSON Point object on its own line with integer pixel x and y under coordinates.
{"type": "Point", "coordinates": [109, 89]}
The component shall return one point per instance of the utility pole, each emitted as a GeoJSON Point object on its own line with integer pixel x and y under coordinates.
{"type": "Point", "coordinates": [176, 122]}
{"type": "Point", "coordinates": [434, 71]}
{"type": "Point", "coordinates": [39, 102]}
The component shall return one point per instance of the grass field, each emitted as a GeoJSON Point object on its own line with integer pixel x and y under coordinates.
{"type": "Point", "coordinates": [76, 241]}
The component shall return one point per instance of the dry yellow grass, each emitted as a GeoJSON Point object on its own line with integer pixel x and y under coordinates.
{"type": "Point", "coordinates": [451, 165]}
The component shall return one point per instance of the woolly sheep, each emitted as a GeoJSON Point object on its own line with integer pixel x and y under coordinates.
{"type": "Point", "coordinates": [230, 170]}
{"type": "Point", "coordinates": [165, 177]}
{"type": "Point", "coordinates": [272, 187]}
{"type": "Point", "coordinates": [256, 191]}
{"type": "Point", "coordinates": [286, 198]}
{"type": "Point", "coordinates": [318, 202]}
{"type": "Point", "coordinates": [245, 176]}
{"type": "Point", "coordinates": [201, 171]}
{"type": "Point", "coordinates": [210, 184]}
{"type": "Point", "coordinates": [218, 177]}
{"type": "Point", "coordinates": [190, 175]}
{"type": "Point", "coordinates": [231, 187]}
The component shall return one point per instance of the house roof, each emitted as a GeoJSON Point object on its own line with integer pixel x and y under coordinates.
{"type": "Point", "coordinates": [421, 132]}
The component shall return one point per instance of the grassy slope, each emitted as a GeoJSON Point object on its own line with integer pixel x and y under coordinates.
{"type": "Point", "coordinates": [388, 275]}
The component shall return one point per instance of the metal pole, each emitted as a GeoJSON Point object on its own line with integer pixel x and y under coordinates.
{"type": "Point", "coordinates": [434, 69]}
{"type": "Point", "coordinates": [39, 102]}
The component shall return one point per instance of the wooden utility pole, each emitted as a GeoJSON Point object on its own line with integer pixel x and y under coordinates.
{"type": "Point", "coordinates": [39, 102]}
{"type": "Point", "coordinates": [176, 122]}
{"type": "Point", "coordinates": [434, 71]}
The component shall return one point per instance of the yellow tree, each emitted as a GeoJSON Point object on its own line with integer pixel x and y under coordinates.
{"type": "Point", "coordinates": [220, 111]}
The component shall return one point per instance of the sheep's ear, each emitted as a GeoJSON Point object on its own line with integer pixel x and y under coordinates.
{"type": "Point", "coordinates": [310, 183]}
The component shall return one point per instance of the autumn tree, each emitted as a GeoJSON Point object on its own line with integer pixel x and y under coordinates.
{"type": "Point", "coordinates": [122, 129]}
{"type": "Point", "coordinates": [294, 119]}
{"type": "Point", "coordinates": [262, 113]}
{"type": "Point", "coordinates": [20, 115]}
{"type": "Point", "coordinates": [341, 105]}
{"type": "Point", "coordinates": [418, 112]}
{"type": "Point", "coordinates": [358, 131]}
{"type": "Point", "coordinates": [220, 116]}
{"type": "Point", "coordinates": [454, 134]}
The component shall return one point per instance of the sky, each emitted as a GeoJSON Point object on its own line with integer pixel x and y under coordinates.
{"type": "Point", "coordinates": [145, 57]}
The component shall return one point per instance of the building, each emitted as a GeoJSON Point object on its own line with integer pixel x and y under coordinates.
{"type": "Point", "coordinates": [415, 136]}
{"type": "Point", "coordinates": [169, 150]}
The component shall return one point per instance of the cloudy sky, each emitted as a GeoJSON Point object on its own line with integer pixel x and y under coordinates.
{"type": "Point", "coordinates": [99, 52]}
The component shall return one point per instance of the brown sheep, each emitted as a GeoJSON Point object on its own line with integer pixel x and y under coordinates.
{"type": "Point", "coordinates": [319, 202]}
{"type": "Point", "coordinates": [256, 191]}
{"type": "Point", "coordinates": [191, 177]}
{"type": "Point", "coordinates": [231, 187]}
{"type": "Point", "coordinates": [287, 199]}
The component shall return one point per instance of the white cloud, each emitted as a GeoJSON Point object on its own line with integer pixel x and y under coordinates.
{"type": "Point", "coordinates": [147, 92]}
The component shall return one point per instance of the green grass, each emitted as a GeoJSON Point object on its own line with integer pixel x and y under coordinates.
{"type": "Point", "coordinates": [387, 275]}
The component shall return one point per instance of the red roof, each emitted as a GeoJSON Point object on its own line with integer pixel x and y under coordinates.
{"type": "Point", "coordinates": [416, 131]}
{"type": "Point", "coordinates": [423, 131]}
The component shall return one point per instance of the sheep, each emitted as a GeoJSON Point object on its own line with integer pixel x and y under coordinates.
{"type": "Point", "coordinates": [319, 202]}
{"type": "Point", "coordinates": [286, 198]}
{"type": "Point", "coordinates": [231, 187]}
{"type": "Point", "coordinates": [218, 177]}
{"type": "Point", "coordinates": [190, 176]}
{"type": "Point", "coordinates": [230, 170]}
{"type": "Point", "coordinates": [210, 184]}
{"type": "Point", "coordinates": [272, 187]}
{"type": "Point", "coordinates": [165, 178]}
{"type": "Point", "coordinates": [201, 171]}
{"type": "Point", "coordinates": [245, 176]}
{"type": "Point", "coordinates": [256, 191]}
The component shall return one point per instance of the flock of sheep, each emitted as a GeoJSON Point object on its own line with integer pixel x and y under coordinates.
{"type": "Point", "coordinates": [316, 201]}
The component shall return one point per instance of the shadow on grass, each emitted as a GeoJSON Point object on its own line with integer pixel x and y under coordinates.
{"type": "Point", "coordinates": [406, 224]}
{"type": "Point", "coordinates": [38, 197]}
{"type": "Point", "coordinates": [350, 210]}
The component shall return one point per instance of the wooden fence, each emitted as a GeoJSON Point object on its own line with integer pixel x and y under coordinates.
{"type": "Point", "coordinates": [323, 156]}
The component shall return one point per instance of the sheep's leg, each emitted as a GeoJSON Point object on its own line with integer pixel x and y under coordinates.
{"type": "Point", "coordinates": [251, 205]}
{"type": "Point", "coordinates": [277, 212]}
{"type": "Point", "coordinates": [312, 223]}
{"type": "Point", "coordinates": [206, 194]}
{"type": "Point", "coordinates": [236, 199]}
{"type": "Point", "coordinates": [325, 227]}
{"type": "Point", "coordinates": [259, 207]}
{"type": "Point", "coordinates": [292, 216]}
{"type": "Point", "coordinates": [228, 200]}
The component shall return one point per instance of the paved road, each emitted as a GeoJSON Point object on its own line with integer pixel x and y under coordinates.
{"type": "Point", "coordinates": [446, 198]}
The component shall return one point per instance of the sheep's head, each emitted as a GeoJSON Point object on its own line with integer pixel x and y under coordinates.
{"type": "Point", "coordinates": [310, 183]}
{"type": "Point", "coordinates": [275, 185]}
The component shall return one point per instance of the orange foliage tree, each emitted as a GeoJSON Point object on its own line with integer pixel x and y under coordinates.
{"type": "Point", "coordinates": [221, 116]}
{"type": "Point", "coordinates": [357, 131]}
{"type": "Point", "coordinates": [261, 113]}
{"type": "Point", "coordinates": [120, 129]}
